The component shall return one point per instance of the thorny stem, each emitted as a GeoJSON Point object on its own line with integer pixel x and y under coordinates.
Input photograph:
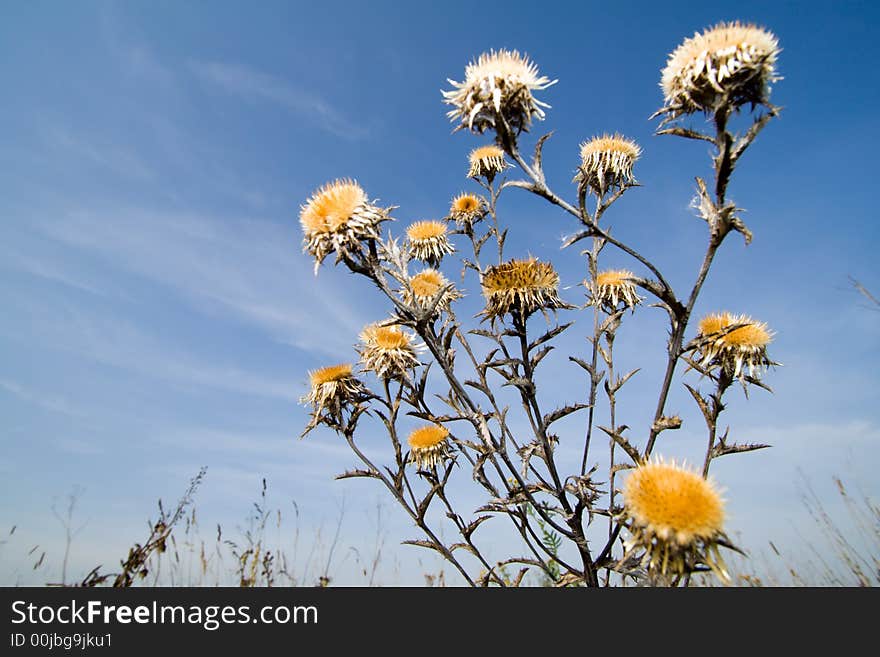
{"type": "Point", "coordinates": [533, 410]}
{"type": "Point", "coordinates": [525, 529]}
{"type": "Point", "coordinates": [506, 433]}
{"type": "Point", "coordinates": [539, 187]}
{"type": "Point", "coordinates": [723, 170]}
{"type": "Point", "coordinates": [612, 409]}
{"type": "Point", "coordinates": [438, 544]}
{"type": "Point", "coordinates": [462, 529]}
{"type": "Point", "coordinates": [727, 154]}
{"type": "Point", "coordinates": [715, 410]}
{"type": "Point", "coordinates": [593, 270]}
{"type": "Point", "coordinates": [372, 270]}
{"type": "Point", "coordinates": [505, 430]}
{"type": "Point", "coordinates": [430, 339]}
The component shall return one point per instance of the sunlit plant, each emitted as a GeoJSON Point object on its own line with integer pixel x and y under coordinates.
{"type": "Point", "coordinates": [472, 389]}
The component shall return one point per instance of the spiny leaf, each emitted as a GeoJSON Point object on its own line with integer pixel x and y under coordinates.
{"type": "Point", "coordinates": [422, 543]}
{"type": "Point", "coordinates": [560, 413]}
{"type": "Point", "coordinates": [621, 380]}
{"type": "Point", "coordinates": [549, 335]}
{"type": "Point", "coordinates": [687, 133]}
{"type": "Point", "coordinates": [539, 154]}
{"type": "Point", "coordinates": [704, 407]}
{"type": "Point", "coordinates": [462, 546]}
{"type": "Point", "coordinates": [477, 385]}
{"type": "Point", "coordinates": [722, 450]}
{"type": "Point", "coordinates": [631, 451]}
{"type": "Point", "coordinates": [582, 363]}
{"type": "Point", "coordinates": [666, 422]}
{"type": "Point", "coordinates": [523, 384]}
{"type": "Point", "coordinates": [350, 474]}
{"type": "Point", "coordinates": [472, 526]}
{"type": "Point", "coordinates": [539, 356]}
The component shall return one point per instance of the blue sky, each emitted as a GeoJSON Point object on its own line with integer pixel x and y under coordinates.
{"type": "Point", "coordinates": [159, 314]}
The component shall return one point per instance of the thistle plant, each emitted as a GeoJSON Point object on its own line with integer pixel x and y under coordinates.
{"type": "Point", "coordinates": [452, 396]}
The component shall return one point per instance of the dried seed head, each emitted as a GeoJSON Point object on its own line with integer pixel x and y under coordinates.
{"type": "Point", "coordinates": [467, 209]}
{"type": "Point", "coordinates": [729, 63]}
{"type": "Point", "coordinates": [676, 516]}
{"type": "Point", "coordinates": [332, 389]}
{"type": "Point", "coordinates": [612, 287]}
{"type": "Point", "coordinates": [429, 445]}
{"type": "Point", "coordinates": [734, 349]}
{"type": "Point", "coordinates": [425, 286]}
{"type": "Point", "coordinates": [389, 351]}
{"type": "Point", "coordinates": [336, 218]}
{"type": "Point", "coordinates": [428, 241]}
{"type": "Point", "coordinates": [607, 162]}
{"type": "Point", "coordinates": [486, 161]}
{"type": "Point", "coordinates": [521, 285]}
{"type": "Point", "coordinates": [497, 85]}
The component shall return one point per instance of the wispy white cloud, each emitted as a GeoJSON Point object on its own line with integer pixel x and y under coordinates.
{"type": "Point", "coordinates": [249, 269]}
{"type": "Point", "coordinates": [120, 343]}
{"type": "Point", "coordinates": [44, 400]}
{"type": "Point", "coordinates": [250, 84]}
{"type": "Point", "coordinates": [40, 266]}
{"type": "Point", "coordinates": [114, 158]}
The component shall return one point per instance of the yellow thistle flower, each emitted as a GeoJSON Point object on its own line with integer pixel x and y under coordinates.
{"type": "Point", "coordinates": [486, 161]}
{"type": "Point", "coordinates": [467, 209]}
{"type": "Point", "coordinates": [429, 445]}
{"type": "Point", "coordinates": [428, 241]}
{"type": "Point", "coordinates": [336, 218]}
{"type": "Point", "coordinates": [613, 286]}
{"type": "Point", "coordinates": [676, 516]}
{"type": "Point", "coordinates": [521, 285]}
{"type": "Point", "coordinates": [332, 389]}
{"type": "Point", "coordinates": [734, 350]}
{"type": "Point", "coordinates": [497, 85]}
{"type": "Point", "coordinates": [388, 350]}
{"type": "Point", "coordinates": [425, 286]}
{"type": "Point", "coordinates": [731, 62]}
{"type": "Point", "coordinates": [607, 162]}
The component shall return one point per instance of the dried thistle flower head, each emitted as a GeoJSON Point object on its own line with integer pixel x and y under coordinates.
{"type": "Point", "coordinates": [607, 162]}
{"type": "Point", "coordinates": [429, 445]}
{"type": "Point", "coordinates": [486, 161]}
{"type": "Point", "coordinates": [521, 285]}
{"type": "Point", "coordinates": [612, 287]}
{"type": "Point", "coordinates": [427, 241]}
{"type": "Point", "coordinates": [331, 390]}
{"type": "Point", "coordinates": [424, 288]}
{"type": "Point", "coordinates": [676, 517]}
{"type": "Point", "coordinates": [336, 218]}
{"type": "Point", "coordinates": [729, 63]}
{"type": "Point", "coordinates": [734, 349]}
{"type": "Point", "coordinates": [497, 86]}
{"type": "Point", "coordinates": [466, 210]}
{"type": "Point", "coordinates": [388, 350]}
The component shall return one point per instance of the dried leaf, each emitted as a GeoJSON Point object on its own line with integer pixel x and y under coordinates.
{"type": "Point", "coordinates": [631, 451]}
{"type": "Point", "coordinates": [621, 380]}
{"type": "Point", "coordinates": [422, 543]}
{"type": "Point", "coordinates": [704, 406]}
{"type": "Point", "coordinates": [723, 449]}
{"type": "Point", "coordinates": [539, 356]}
{"type": "Point", "coordinates": [351, 474]}
{"type": "Point", "coordinates": [472, 526]}
{"type": "Point", "coordinates": [524, 385]}
{"type": "Point", "coordinates": [549, 335]}
{"type": "Point", "coordinates": [666, 422]}
{"type": "Point", "coordinates": [562, 412]}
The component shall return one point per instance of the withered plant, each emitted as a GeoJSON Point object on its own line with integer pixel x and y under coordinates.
{"type": "Point", "coordinates": [644, 520]}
